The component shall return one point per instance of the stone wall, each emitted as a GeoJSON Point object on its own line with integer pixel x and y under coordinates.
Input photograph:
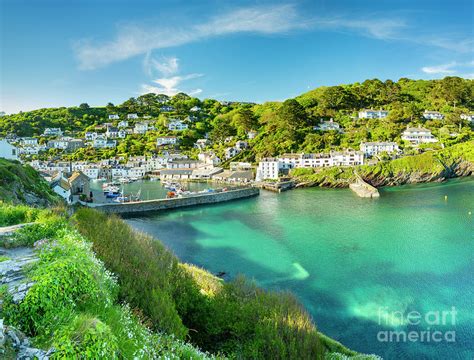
{"type": "Point", "coordinates": [165, 204]}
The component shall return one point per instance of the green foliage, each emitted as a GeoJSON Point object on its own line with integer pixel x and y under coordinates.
{"type": "Point", "coordinates": [236, 319]}
{"type": "Point", "coordinates": [73, 308]}
{"type": "Point", "coordinates": [19, 183]}
{"type": "Point", "coordinates": [12, 215]}
{"type": "Point", "coordinates": [46, 226]}
{"type": "Point", "coordinates": [149, 275]}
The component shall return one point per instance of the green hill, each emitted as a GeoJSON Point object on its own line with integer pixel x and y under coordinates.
{"type": "Point", "coordinates": [21, 184]}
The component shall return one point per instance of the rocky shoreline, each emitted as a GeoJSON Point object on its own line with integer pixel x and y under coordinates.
{"type": "Point", "coordinates": [458, 169]}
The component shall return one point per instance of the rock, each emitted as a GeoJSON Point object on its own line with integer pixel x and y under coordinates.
{"type": "Point", "coordinates": [14, 338]}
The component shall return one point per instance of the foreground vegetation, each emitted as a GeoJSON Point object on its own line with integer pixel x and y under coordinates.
{"type": "Point", "coordinates": [103, 290]}
{"type": "Point", "coordinates": [73, 305]}
{"type": "Point", "coordinates": [22, 184]}
{"type": "Point", "coordinates": [237, 318]}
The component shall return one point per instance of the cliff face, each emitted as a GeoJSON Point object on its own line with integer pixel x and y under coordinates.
{"type": "Point", "coordinates": [432, 166]}
{"type": "Point", "coordinates": [457, 169]}
{"type": "Point", "coordinates": [21, 184]}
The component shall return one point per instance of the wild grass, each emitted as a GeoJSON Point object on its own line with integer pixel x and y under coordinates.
{"type": "Point", "coordinates": [236, 319]}
{"type": "Point", "coordinates": [73, 307]}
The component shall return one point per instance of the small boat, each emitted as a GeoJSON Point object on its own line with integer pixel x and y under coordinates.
{"type": "Point", "coordinates": [112, 195]}
{"type": "Point", "coordinates": [111, 189]}
{"type": "Point", "coordinates": [125, 180]}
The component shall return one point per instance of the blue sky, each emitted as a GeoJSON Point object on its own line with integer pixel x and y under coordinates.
{"type": "Point", "coordinates": [63, 53]}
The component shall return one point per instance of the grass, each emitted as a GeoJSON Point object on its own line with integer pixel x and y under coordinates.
{"type": "Point", "coordinates": [235, 318]}
{"type": "Point", "coordinates": [74, 306]}
{"type": "Point", "coordinates": [12, 215]}
{"type": "Point", "coordinates": [138, 301]}
{"type": "Point", "coordinates": [20, 183]}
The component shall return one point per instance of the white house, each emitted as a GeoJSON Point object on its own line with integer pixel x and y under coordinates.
{"type": "Point", "coordinates": [195, 109]}
{"type": "Point", "coordinates": [372, 114]}
{"type": "Point", "coordinates": [132, 116]}
{"type": "Point", "coordinates": [92, 172]}
{"type": "Point", "coordinates": [241, 145]}
{"type": "Point", "coordinates": [201, 143]}
{"type": "Point", "coordinates": [29, 141]}
{"type": "Point", "coordinates": [52, 132]}
{"type": "Point", "coordinates": [240, 166]}
{"type": "Point", "coordinates": [62, 187]}
{"type": "Point", "coordinates": [61, 143]}
{"type": "Point", "coordinates": [167, 108]}
{"type": "Point", "coordinates": [112, 132]}
{"type": "Point", "coordinates": [268, 168]}
{"type": "Point", "coordinates": [114, 117]}
{"type": "Point", "coordinates": [347, 158]}
{"type": "Point", "coordinates": [418, 135]}
{"type": "Point", "coordinates": [230, 152]}
{"type": "Point", "coordinates": [209, 158]}
{"type": "Point", "coordinates": [251, 134]}
{"type": "Point", "coordinates": [7, 150]}
{"type": "Point", "coordinates": [375, 148]}
{"type": "Point", "coordinates": [433, 115]}
{"type": "Point", "coordinates": [469, 117]}
{"type": "Point", "coordinates": [184, 164]}
{"type": "Point", "coordinates": [90, 135]}
{"type": "Point", "coordinates": [123, 124]}
{"type": "Point", "coordinates": [327, 126]}
{"type": "Point", "coordinates": [177, 125]}
{"type": "Point", "coordinates": [141, 128]}
{"type": "Point", "coordinates": [166, 140]}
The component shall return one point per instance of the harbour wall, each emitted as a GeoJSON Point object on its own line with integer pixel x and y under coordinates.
{"type": "Point", "coordinates": [167, 204]}
{"type": "Point", "coordinates": [363, 189]}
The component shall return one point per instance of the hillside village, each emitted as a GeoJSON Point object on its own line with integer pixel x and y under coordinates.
{"type": "Point", "coordinates": [183, 138]}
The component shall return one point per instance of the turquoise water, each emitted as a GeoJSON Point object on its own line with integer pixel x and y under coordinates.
{"type": "Point", "coordinates": [149, 189]}
{"type": "Point", "coordinates": [352, 262]}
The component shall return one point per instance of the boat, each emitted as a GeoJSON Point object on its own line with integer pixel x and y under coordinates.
{"type": "Point", "coordinates": [111, 189]}
{"type": "Point", "coordinates": [111, 195]}
{"type": "Point", "coordinates": [125, 180]}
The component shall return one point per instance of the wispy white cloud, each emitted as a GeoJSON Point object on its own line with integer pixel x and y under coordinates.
{"type": "Point", "coordinates": [440, 69]}
{"type": "Point", "coordinates": [132, 39]}
{"type": "Point", "coordinates": [461, 69]}
{"type": "Point", "coordinates": [170, 83]}
{"type": "Point", "coordinates": [380, 28]}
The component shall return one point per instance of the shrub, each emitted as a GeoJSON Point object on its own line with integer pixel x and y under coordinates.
{"type": "Point", "coordinates": [12, 215]}
{"type": "Point", "coordinates": [87, 337]}
{"type": "Point", "coordinates": [149, 275]}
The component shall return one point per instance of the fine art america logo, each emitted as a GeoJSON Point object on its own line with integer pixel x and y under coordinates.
{"type": "Point", "coordinates": [431, 326]}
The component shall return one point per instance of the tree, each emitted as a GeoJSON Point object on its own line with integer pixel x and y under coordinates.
{"type": "Point", "coordinates": [292, 117]}
{"type": "Point", "coordinates": [243, 120]}
{"type": "Point", "coordinates": [84, 106]}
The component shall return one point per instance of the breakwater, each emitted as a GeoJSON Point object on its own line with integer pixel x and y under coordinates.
{"type": "Point", "coordinates": [363, 189]}
{"type": "Point", "coordinates": [167, 204]}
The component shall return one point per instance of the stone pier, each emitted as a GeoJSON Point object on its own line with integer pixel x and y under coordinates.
{"type": "Point", "coordinates": [363, 189]}
{"type": "Point", "coordinates": [167, 204]}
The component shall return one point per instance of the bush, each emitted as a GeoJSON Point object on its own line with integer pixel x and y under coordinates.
{"type": "Point", "coordinates": [87, 337]}
{"type": "Point", "coordinates": [237, 319]}
{"type": "Point", "coordinates": [12, 215]}
{"type": "Point", "coordinates": [149, 275]}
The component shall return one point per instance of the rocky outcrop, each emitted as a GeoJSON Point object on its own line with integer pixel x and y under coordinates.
{"type": "Point", "coordinates": [457, 169]}
{"type": "Point", "coordinates": [12, 271]}
{"type": "Point", "coordinates": [15, 345]}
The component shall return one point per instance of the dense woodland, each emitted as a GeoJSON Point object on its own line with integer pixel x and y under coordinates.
{"type": "Point", "coordinates": [282, 127]}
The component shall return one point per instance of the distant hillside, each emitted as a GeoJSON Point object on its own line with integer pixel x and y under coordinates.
{"type": "Point", "coordinates": [21, 184]}
{"type": "Point", "coordinates": [281, 127]}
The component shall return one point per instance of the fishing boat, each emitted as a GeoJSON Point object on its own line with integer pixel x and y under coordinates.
{"type": "Point", "coordinates": [125, 180]}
